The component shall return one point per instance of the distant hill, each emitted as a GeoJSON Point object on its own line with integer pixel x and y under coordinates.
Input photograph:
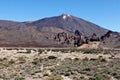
{"type": "Point", "coordinates": [41, 33]}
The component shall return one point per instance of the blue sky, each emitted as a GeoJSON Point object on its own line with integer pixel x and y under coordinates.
{"type": "Point", "coordinates": [105, 13]}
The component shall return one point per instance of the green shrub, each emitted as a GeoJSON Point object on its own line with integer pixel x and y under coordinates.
{"type": "Point", "coordinates": [54, 77]}
{"type": "Point", "coordinates": [36, 61]}
{"type": "Point", "coordinates": [52, 57]}
{"type": "Point", "coordinates": [103, 60]}
{"type": "Point", "coordinates": [40, 51]}
{"type": "Point", "coordinates": [28, 51]}
{"type": "Point", "coordinates": [21, 59]}
{"type": "Point", "coordinates": [100, 77]}
{"type": "Point", "coordinates": [85, 59]}
{"type": "Point", "coordinates": [11, 61]}
{"type": "Point", "coordinates": [93, 59]}
{"type": "Point", "coordinates": [19, 78]}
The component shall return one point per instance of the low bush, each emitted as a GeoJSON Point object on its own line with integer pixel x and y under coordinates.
{"type": "Point", "coordinates": [52, 57]}
{"type": "Point", "coordinates": [54, 77]}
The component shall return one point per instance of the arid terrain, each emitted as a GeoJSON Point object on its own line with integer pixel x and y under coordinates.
{"type": "Point", "coordinates": [59, 39]}
{"type": "Point", "coordinates": [61, 47]}
{"type": "Point", "coordinates": [59, 64]}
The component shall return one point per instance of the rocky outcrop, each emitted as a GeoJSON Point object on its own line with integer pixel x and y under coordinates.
{"type": "Point", "coordinates": [110, 40]}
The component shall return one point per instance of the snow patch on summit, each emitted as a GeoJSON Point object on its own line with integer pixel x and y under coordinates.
{"type": "Point", "coordinates": [65, 16]}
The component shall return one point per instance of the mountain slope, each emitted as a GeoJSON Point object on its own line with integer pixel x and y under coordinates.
{"type": "Point", "coordinates": [41, 33]}
{"type": "Point", "coordinates": [70, 24]}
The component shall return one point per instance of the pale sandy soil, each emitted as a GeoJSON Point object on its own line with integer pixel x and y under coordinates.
{"type": "Point", "coordinates": [90, 45]}
{"type": "Point", "coordinates": [15, 54]}
{"type": "Point", "coordinates": [73, 55]}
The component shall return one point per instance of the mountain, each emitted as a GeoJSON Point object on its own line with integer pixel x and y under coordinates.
{"type": "Point", "coordinates": [69, 23]}
{"type": "Point", "coordinates": [42, 33]}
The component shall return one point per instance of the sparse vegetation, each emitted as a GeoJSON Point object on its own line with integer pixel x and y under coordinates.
{"type": "Point", "coordinates": [21, 59]}
{"type": "Point", "coordinates": [52, 57]}
{"type": "Point", "coordinates": [52, 67]}
{"type": "Point", "coordinates": [54, 77]}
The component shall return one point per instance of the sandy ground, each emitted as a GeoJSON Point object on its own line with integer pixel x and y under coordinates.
{"type": "Point", "coordinates": [15, 54]}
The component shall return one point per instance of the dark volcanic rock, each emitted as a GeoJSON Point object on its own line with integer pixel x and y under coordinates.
{"type": "Point", "coordinates": [111, 40]}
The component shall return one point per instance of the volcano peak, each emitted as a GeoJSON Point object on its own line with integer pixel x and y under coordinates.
{"type": "Point", "coordinates": [64, 16]}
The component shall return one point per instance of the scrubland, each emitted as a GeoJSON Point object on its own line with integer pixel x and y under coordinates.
{"type": "Point", "coordinates": [59, 64]}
